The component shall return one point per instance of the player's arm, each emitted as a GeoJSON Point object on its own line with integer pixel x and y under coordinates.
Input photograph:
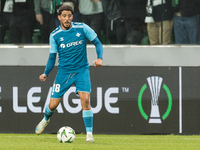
{"type": "Point", "coordinates": [92, 36]}
{"type": "Point", "coordinates": [99, 50]}
{"type": "Point", "coordinates": [51, 61]}
{"type": "Point", "coordinates": [49, 66]}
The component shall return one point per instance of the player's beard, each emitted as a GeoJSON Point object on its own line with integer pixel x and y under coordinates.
{"type": "Point", "coordinates": [67, 27]}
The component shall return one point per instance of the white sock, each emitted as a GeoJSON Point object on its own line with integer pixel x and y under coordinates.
{"type": "Point", "coordinates": [89, 133]}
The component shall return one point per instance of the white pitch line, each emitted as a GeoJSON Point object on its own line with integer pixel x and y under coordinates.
{"type": "Point", "coordinates": [36, 137]}
{"type": "Point", "coordinates": [137, 137]}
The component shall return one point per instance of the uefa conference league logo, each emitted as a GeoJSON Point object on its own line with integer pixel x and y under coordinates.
{"type": "Point", "coordinates": [155, 83]}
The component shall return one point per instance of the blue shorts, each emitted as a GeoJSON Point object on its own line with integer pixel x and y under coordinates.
{"type": "Point", "coordinates": [64, 81]}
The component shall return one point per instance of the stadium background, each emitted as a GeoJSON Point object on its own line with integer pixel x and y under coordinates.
{"type": "Point", "coordinates": [115, 90]}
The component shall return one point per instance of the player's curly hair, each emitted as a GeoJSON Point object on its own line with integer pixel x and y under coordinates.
{"type": "Point", "coordinates": [64, 7]}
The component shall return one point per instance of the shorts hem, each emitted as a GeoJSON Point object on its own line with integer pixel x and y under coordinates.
{"type": "Point", "coordinates": [82, 91]}
{"type": "Point", "coordinates": [56, 97]}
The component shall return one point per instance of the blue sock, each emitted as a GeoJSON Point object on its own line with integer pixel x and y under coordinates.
{"type": "Point", "coordinates": [88, 120]}
{"type": "Point", "coordinates": [48, 113]}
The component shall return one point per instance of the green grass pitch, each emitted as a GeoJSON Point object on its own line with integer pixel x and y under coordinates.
{"type": "Point", "coordinates": [102, 142]}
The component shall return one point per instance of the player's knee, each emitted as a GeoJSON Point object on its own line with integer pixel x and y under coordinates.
{"type": "Point", "coordinates": [54, 103]}
{"type": "Point", "coordinates": [86, 104]}
{"type": "Point", "coordinates": [52, 107]}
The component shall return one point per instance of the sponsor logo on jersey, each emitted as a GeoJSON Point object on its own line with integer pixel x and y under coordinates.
{"type": "Point", "coordinates": [71, 44]}
{"type": "Point", "coordinates": [62, 45]}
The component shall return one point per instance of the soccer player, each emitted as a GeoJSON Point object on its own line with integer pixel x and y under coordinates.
{"type": "Point", "coordinates": [69, 41]}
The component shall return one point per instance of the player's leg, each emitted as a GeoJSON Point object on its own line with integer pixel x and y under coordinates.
{"type": "Point", "coordinates": [60, 86]}
{"type": "Point", "coordinates": [49, 110]}
{"type": "Point", "coordinates": [51, 107]}
{"type": "Point", "coordinates": [83, 88]}
{"type": "Point", "coordinates": [87, 115]}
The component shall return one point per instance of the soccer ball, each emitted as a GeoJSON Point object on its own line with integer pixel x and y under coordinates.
{"type": "Point", "coordinates": [66, 135]}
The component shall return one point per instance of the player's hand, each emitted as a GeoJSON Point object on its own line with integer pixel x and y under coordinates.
{"type": "Point", "coordinates": [43, 77]}
{"type": "Point", "coordinates": [98, 63]}
{"type": "Point", "coordinates": [39, 18]}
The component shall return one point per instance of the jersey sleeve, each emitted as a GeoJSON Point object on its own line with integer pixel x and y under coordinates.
{"type": "Point", "coordinates": [50, 63]}
{"type": "Point", "coordinates": [99, 48]}
{"type": "Point", "coordinates": [53, 45]}
{"type": "Point", "coordinates": [89, 33]}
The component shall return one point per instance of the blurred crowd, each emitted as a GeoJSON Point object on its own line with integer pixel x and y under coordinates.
{"type": "Point", "coordinates": [140, 22]}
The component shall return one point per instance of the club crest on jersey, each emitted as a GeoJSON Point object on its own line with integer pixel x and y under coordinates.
{"type": "Point", "coordinates": [78, 34]}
